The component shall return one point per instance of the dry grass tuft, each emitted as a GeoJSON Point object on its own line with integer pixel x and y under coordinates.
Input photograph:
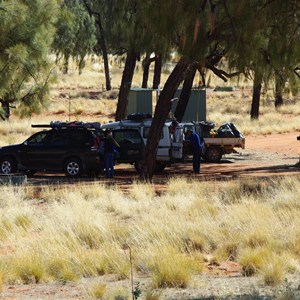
{"type": "Point", "coordinates": [172, 269]}
{"type": "Point", "coordinates": [252, 260]}
{"type": "Point", "coordinates": [152, 295]}
{"type": "Point", "coordinates": [27, 267]}
{"type": "Point", "coordinates": [274, 271]}
{"type": "Point", "coordinates": [177, 185]}
{"type": "Point", "coordinates": [1, 281]}
{"type": "Point", "coordinates": [97, 291]}
{"type": "Point", "coordinates": [61, 269]}
{"type": "Point", "coordinates": [141, 191]}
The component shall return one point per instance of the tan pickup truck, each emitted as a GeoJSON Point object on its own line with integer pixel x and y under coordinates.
{"type": "Point", "coordinates": [218, 142]}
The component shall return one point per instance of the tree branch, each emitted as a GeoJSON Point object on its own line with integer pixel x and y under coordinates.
{"type": "Point", "coordinates": [221, 73]}
{"type": "Point", "coordinates": [297, 71]}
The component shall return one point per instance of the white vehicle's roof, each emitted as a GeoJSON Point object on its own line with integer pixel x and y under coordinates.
{"type": "Point", "coordinates": [111, 125]}
{"type": "Point", "coordinates": [137, 123]}
{"type": "Point", "coordinates": [146, 122]}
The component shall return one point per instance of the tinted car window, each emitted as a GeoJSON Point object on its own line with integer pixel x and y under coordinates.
{"type": "Point", "coordinates": [146, 133]}
{"type": "Point", "coordinates": [128, 137]}
{"type": "Point", "coordinates": [38, 138]}
{"type": "Point", "coordinates": [80, 137]}
{"type": "Point", "coordinates": [58, 138]}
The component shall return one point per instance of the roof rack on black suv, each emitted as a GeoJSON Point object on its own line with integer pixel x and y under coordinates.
{"type": "Point", "coordinates": [74, 124]}
{"type": "Point", "coordinates": [71, 147]}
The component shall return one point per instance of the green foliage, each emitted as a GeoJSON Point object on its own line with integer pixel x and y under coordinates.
{"type": "Point", "coordinates": [25, 37]}
{"type": "Point", "coordinates": [136, 293]}
{"type": "Point", "coordinates": [75, 35]}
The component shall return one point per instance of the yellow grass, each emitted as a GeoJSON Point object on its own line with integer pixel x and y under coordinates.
{"type": "Point", "coordinates": [1, 281]}
{"type": "Point", "coordinates": [86, 231]}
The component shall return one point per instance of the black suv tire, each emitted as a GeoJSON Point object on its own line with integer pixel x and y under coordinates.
{"type": "Point", "coordinates": [8, 165]}
{"type": "Point", "coordinates": [73, 167]}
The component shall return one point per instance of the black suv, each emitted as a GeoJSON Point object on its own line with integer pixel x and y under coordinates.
{"type": "Point", "coordinates": [71, 147]}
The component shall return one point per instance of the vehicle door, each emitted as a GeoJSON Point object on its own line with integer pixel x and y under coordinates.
{"type": "Point", "coordinates": [177, 143]}
{"type": "Point", "coordinates": [164, 144]}
{"type": "Point", "coordinates": [131, 145]}
{"type": "Point", "coordinates": [38, 151]}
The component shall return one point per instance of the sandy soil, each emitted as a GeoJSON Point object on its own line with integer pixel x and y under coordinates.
{"type": "Point", "coordinates": [264, 156]}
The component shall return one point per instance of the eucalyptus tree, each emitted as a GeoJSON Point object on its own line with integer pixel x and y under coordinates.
{"type": "Point", "coordinates": [75, 34]}
{"type": "Point", "coordinates": [26, 33]}
{"type": "Point", "coordinates": [101, 11]}
{"type": "Point", "coordinates": [271, 49]}
{"type": "Point", "coordinates": [202, 32]}
{"type": "Point", "coordinates": [133, 38]}
{"type": "Point", "coordinates": [284, 46]}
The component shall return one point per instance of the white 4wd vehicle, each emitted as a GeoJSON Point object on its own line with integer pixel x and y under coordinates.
{"type": "Point", "coordinates": [173, 147]}
{"type": "Point", "coordinates": [170, 147]}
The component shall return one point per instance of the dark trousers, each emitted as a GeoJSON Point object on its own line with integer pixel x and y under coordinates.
{"type": "Point", "coordinates": [196, 161]}
{"type": "Point", "coordinates": [109, 165]}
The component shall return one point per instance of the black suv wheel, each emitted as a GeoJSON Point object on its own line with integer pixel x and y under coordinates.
{"type": "Point", "coordinates": [73, 167]}
{"type": "Point", "coordinates": [8, 165]}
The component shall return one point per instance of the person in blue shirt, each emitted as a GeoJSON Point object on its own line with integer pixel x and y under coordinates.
{"type": "Point", "coordinates": [196, 145]}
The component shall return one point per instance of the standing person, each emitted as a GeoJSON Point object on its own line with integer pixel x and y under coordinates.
{"type": "Point", "coordinates": [172, 129]}
{"type": "Point", "coordinates": [109, 145]}
{"type": "Point", "coordinates": [196, 146]}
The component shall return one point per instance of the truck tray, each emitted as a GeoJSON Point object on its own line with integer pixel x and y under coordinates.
{"type": "Point", "coordinates": [233, 142]}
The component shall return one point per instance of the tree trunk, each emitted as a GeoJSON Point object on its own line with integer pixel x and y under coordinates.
{"type": "Point", "coordinates": [185, 93]}
{"type": "Point", "coordinates": [65, 69]}
{"type": "Point", "coordinates": [126, 84]}
{"type": "Point", "coordinates": [161, 112]}
{"type": "Point", "coordinates": [279, 84]}
{"type": "Point", "coordinates": [146, 67]}
{"type": "Point", "coordinates": [101, 42]}
{"type": "Point", "coordinates": [157, 71]}
{"type": "Point", "coordinates": [106, 67]}
{"type": "Point", "coordinates": [6, 110]}
{"type": "Point", "coordinates": [256, 96]}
